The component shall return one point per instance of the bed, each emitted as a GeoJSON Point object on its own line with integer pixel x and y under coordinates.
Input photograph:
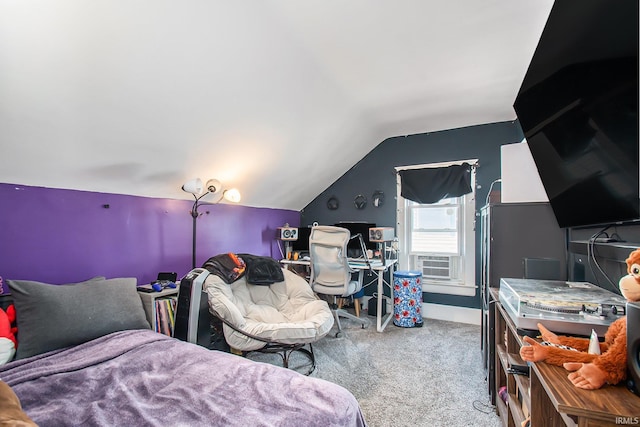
{"type": "Point", "coordinates": [136, 377]}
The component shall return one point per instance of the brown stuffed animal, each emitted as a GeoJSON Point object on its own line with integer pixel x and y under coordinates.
{"type": "Point", "coordinates": [591, 371]}
{"type": "Point", "coordinates": [11, 413]}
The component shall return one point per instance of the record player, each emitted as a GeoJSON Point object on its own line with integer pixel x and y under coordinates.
{"type": "Point", "coordinates": [572, 308]}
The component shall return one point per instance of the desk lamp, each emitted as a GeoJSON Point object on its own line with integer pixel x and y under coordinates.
{"type": "Point", "coordinates": [214, 187]}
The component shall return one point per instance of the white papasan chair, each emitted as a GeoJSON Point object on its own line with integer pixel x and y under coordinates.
{"type": "Point", "coordinates": [281, 317]}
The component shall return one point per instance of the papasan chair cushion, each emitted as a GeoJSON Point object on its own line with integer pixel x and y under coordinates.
{"type": "Point", "coordinates": [286, 312]}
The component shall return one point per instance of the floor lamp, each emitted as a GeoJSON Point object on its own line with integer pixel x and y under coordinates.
{"type": "Point", "coordinates": [213, 187]}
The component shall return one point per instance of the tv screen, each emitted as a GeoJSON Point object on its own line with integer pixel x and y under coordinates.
{"type": "Point", "coordinates": [578, 108]}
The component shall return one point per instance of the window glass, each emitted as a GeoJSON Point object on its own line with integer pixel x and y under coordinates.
{"type": "Point", "coordinates": [434, 228]}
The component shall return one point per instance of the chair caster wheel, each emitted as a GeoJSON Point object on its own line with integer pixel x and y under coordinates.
{"type": "Point", "coordinates": [339, 334]}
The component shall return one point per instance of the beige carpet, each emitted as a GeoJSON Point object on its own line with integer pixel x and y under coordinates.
{"type": "Point", "coordinates": [429, 376]}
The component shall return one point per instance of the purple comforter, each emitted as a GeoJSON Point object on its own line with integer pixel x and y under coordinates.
{"type": "Point", "coordinates": [141, 378]}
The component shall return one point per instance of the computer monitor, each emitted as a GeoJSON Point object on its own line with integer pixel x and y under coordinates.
{"type": "Point", "coordinates": [302, 243]}
{"type": "Point", "coordinates": [361, 228]}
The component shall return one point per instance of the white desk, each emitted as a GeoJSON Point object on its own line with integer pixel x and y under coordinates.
{"type": "Point", "coordinates": [378, 269]}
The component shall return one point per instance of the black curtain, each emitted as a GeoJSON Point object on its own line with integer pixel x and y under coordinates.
{"type": "Point", "coordinates": [430, 185]}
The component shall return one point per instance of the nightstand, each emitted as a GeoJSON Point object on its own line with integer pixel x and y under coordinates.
{"type": "Point", "coordinates": [160, 307]}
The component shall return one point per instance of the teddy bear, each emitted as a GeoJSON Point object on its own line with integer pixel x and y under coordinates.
{"type": "Point", "coordinates": [8, 341]}
{"type": "Point", "coordinates": [591, 371]}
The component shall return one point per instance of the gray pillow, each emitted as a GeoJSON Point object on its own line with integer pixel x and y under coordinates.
{"type": "Point", "coordinates": [57, 316]}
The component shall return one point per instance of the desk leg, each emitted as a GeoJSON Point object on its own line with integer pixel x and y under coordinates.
{"type": "Point", "coordinates": [379, 324]}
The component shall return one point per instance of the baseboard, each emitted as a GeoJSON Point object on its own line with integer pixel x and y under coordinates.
{"type": "Point", "coordinates": [452, 313]}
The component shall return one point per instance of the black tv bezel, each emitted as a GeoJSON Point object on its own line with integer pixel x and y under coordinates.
{"type": "Point", "coordinates": [532, 121]}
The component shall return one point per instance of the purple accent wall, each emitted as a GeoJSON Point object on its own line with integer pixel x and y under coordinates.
{"type": "Point", "coordinates": [61, 236]}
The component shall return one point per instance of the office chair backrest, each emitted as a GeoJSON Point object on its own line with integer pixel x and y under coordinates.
{"type": "Point", "coordinates": [329, 264]}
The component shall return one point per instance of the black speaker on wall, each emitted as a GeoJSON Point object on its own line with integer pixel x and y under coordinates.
{"type": "Point", "coordinates": [633, 346]}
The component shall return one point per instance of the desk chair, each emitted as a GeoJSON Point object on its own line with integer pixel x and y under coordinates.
{"type": "Point", "coordinates": [330, 272]}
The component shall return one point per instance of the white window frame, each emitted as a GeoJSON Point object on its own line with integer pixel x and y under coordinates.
{"type": "Point", "coordinates": [465, 285]}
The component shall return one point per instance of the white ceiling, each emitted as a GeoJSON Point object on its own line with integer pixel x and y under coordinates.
{"type": "Point", "coordinates": [275, 97]}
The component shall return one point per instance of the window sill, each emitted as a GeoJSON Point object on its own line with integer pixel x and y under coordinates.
{"type": "Point", "coordinates": [462, 290]}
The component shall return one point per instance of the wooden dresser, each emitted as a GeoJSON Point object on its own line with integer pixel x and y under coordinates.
{"type": "Point", "coordinates": [547, 395]}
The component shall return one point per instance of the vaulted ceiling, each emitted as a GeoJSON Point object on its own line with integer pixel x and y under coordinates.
{"type": "Point", "coordinates": [275, 97]}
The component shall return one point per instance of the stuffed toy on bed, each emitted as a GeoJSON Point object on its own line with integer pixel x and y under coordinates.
{"type": "Point", "coordinates": [591, 371]}
{"type": "Point", "coordinates": [11, 413]}
{"type": "Point", "coordinates": [8, 342]}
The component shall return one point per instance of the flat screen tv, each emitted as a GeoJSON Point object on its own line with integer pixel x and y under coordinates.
{"type": "Point", "coordinates": [578, 108]}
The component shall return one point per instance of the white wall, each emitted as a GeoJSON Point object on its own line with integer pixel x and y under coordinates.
{"type": "Point", "coordinates": [520, 179]}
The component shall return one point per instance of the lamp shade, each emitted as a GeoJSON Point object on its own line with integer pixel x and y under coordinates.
{"type": "Point", "coordinates": [232, 195]}
{"type": "Point", "coordinates": [194, 187]}
{"type": "Point", "coordinates": [213, 186]}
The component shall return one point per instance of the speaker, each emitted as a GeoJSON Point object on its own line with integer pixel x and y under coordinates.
{"type": "Point", "coordinates": [288, 233]}
{"type": "Point", "coordinates": [372, 307]}
{"type": "Point", "coordinates": [381, 234]}
{"type": "Point", "coordinates": [633, 346]}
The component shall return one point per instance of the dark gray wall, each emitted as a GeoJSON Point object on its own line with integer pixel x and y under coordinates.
{"type": "Point", "coordinates": [610, 257]}
{"type": "Point", "coordinates": [376, 172]}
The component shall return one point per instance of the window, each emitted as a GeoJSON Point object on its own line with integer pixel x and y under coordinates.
{"type": "Point", "coordinates": [439, 240]}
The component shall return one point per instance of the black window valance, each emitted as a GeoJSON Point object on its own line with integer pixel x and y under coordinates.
{"type": "Point", "coordinates": [429, 185]}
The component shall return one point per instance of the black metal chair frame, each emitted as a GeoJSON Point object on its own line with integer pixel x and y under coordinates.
{"type": "Point", "coordinates": [274, 347]}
